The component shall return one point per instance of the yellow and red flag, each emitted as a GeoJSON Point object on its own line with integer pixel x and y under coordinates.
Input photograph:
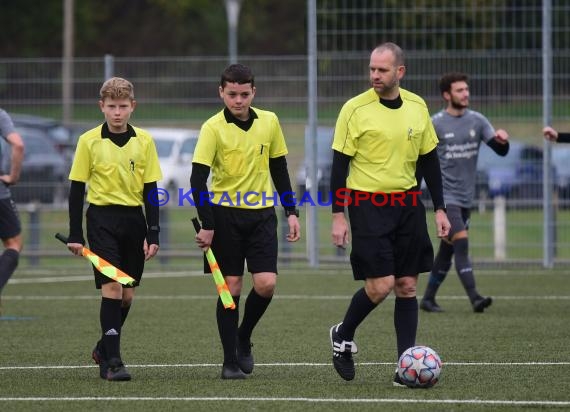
{"type": "Point", "coordinates": [102, 265]}
{"type": "Point", "coordinates": [221, 285]}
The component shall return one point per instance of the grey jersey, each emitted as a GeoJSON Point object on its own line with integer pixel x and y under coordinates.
{"type": "Point", "coordinates": [458, 149]}
{"type": "Point", "coordinates": [6, 127]}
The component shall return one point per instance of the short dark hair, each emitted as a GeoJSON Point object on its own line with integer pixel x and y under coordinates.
{"type": "Point", "coordinates": [449, 78]}
{"type": "Point", "coordinates": [237, 73]}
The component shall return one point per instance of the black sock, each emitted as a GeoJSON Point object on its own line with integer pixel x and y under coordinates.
{"type": "Point", "coordinates": [8, 264]}
{"type": "Point", "coordinates": [124, 313]}
{"type": "Point", "coordinates": [110, 317]}
{"type": "Point", "coordinates": [360, 306]}
{"type": "Point", "coordinates": [441, 266]}
{"type": "Point", "coordinates": [227, 328]}
{"type": "Point", "coordinates": [405, 323]}
{"type": "Point", "coordinates": [464, 269]}
{"type": "Point", "coordinates": [255, 306]}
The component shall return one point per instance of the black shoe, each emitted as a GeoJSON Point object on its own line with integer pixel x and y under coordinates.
{"type": "Point", "coordinates": [430, 305]}
{"type": "Point", "coordinates": [481, 303]}
{"type": "Point", "coordinates": [98, 355]}
{"type": "Point", "coordinates": [397, 382]}
{"type": "Point", "coordinates": [117, 371]}
{"type": "Point", "coordinates": [244, 356]}
{"type": "Point", "coordinates": [232, 371]}
{"type": "Point", "coordinates": [342, 354]}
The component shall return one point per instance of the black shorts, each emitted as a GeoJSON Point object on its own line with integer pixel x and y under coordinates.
{"type": "Point", "coordinates": [389, 240]}
{"type": "Point", "coordinates": [458, 218]}
{"type": "Point", "coordinates": [244, 235]}
{"type": "Point", "coordinates": [10, 225]}
{"type": "Point", "coordinates": [116, 234]}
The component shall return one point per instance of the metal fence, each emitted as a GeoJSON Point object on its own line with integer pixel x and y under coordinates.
{"type": "Point", "coordinates": [497, 42]}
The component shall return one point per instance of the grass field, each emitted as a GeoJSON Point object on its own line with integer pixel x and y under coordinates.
{"type": "Point", "coordinates": [514, 356]}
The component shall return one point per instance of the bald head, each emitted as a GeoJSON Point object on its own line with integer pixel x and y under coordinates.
{"type": "Point", "coordinates": [394, 49]}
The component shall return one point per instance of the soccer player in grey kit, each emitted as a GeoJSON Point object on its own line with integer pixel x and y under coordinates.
{"type": "Point", "coordinates": [10, 227]}
{"type": "Point", "coordinates": [460, 132]}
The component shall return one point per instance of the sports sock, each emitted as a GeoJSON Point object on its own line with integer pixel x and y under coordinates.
{"type": "Point", "coordinates": [227, 328]}
{"type": "Point", "coordinates": [255, 306]}
{"type": "Point", "coordinates": [441, 266]}
{"type": "Point", "coordinates": [360, 306]}
{"type": "Point", "coordinates": [110, 317]}
{"type": "Point", "coordinates": [405, 322]}
{"type": "Point", "coordinates": [124, 313]}
{"type": "Point", "coordinates": [464, 269]}
{"type": "Point", "coordinates": [8, 264]}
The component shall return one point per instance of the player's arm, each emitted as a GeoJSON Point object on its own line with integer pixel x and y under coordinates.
{"type": "Point", "coordinates": [280, 177]}
{"type": "Point", "coordinates": [17, 156]}
{"type": "Point", "coordinates": [429, 166]}
{"type": "Point", "coordinates": [500, 148]}
{"type": "Point", "coordinates": [150, 199]}
{"type": "Point", "coordinates": [339, 172]}
{"type": "Point", "coordinates": [199, 185]}
{"type": "Point", "coordinates": [554, 136]}
{"type": "Point", "coordinates": [75, 241]}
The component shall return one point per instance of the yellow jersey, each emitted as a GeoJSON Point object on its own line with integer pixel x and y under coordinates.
{"type": "Point", "coordinates": [384, 143]}
{"type": "Point", "coordinates": [115, 175]}
{"type": "Point", "coordinates": [239, 159]}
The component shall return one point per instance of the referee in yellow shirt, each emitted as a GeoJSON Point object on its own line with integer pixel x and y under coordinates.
{"type": "Point", "coordinates": [379, 137]}
{"type": "Point", "coordinates": [245, 149]}
{"type": "Point", "coordinates": [119, 163]}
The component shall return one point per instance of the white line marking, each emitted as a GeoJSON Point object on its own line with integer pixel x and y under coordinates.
{"type": "Point", "coordinates": [285, 399]}
{"type": "Point", "coordinates": [313, 364]}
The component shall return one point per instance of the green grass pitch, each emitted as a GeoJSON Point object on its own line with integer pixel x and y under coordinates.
{"type": "Point", "coordinates": [514, 356]}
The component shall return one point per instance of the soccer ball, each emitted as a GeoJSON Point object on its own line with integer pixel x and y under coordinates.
{"type": "Point", "coordinates": [419, 367]}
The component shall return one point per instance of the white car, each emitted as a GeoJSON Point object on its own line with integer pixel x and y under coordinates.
{"type": "Point", "coordinates": [175, 147]}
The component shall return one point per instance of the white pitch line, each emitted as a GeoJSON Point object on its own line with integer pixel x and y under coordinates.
{"type": "Point", "coordinates": [278, 364]}
{"type": "Point", "coordinates": [297, 399]}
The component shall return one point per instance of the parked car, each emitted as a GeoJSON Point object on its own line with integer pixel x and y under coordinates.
{"type": "Point", "coordinates": [44, 170]}
{"type": "Point", "coordinates": [561, 161]}
{"type": "Point", "coordinates": [518, 175]}
{"type": "Point", "coordinates": [175, 147]}
{"type": "Point", "coordinates": [60, 135]}
{"type": "Point", "coordinates": [324, 163]}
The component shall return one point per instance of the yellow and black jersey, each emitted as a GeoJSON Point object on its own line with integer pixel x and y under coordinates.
{"type": "Point", "coordinates": [115, 175]}
{"type": "Point", "coordinates": [239, 159]}
{"type": "Point", "coordinates": [383, 143]}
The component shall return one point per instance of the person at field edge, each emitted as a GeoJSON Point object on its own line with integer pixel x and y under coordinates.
{"type": "Point", "coordinates": [379, 138]}
{"type": "Point", "coordinates": [460, 132]}
{"type": "Point", "coordinates": [245, 149]}
{"type": "Point", "coordinates": [120, 166]}
{"type": "Point", "coordinates": [554, 136]}
{"type": "Point", "coordinates": [10, 227]}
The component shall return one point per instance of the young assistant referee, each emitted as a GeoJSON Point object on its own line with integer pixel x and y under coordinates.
{"type": "Point", "coordinates": [245, 149]}
{"type": "Point", "coordinates": [120, 166]}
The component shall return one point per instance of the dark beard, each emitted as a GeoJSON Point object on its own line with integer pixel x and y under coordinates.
{"type": "Point", "coordinates": [458, 106]}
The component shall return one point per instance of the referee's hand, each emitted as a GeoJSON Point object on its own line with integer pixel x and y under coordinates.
{"type": "Point", "coordinates": [339, 230]}
{"type": "Point", "coordinates": [442, 223]}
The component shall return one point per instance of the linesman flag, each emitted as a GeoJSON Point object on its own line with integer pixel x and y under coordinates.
{"type": "Point", "coordinates": [102, 265]}
{"type": "Point", "coordinates": [223, 291]}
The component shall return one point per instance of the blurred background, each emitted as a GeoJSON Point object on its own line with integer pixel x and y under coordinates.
{"type": "Point", "coordinates": [56, 54]}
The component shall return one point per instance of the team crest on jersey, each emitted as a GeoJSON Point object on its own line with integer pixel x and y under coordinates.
{"type": "Point", "coordinates": [472, 133]}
